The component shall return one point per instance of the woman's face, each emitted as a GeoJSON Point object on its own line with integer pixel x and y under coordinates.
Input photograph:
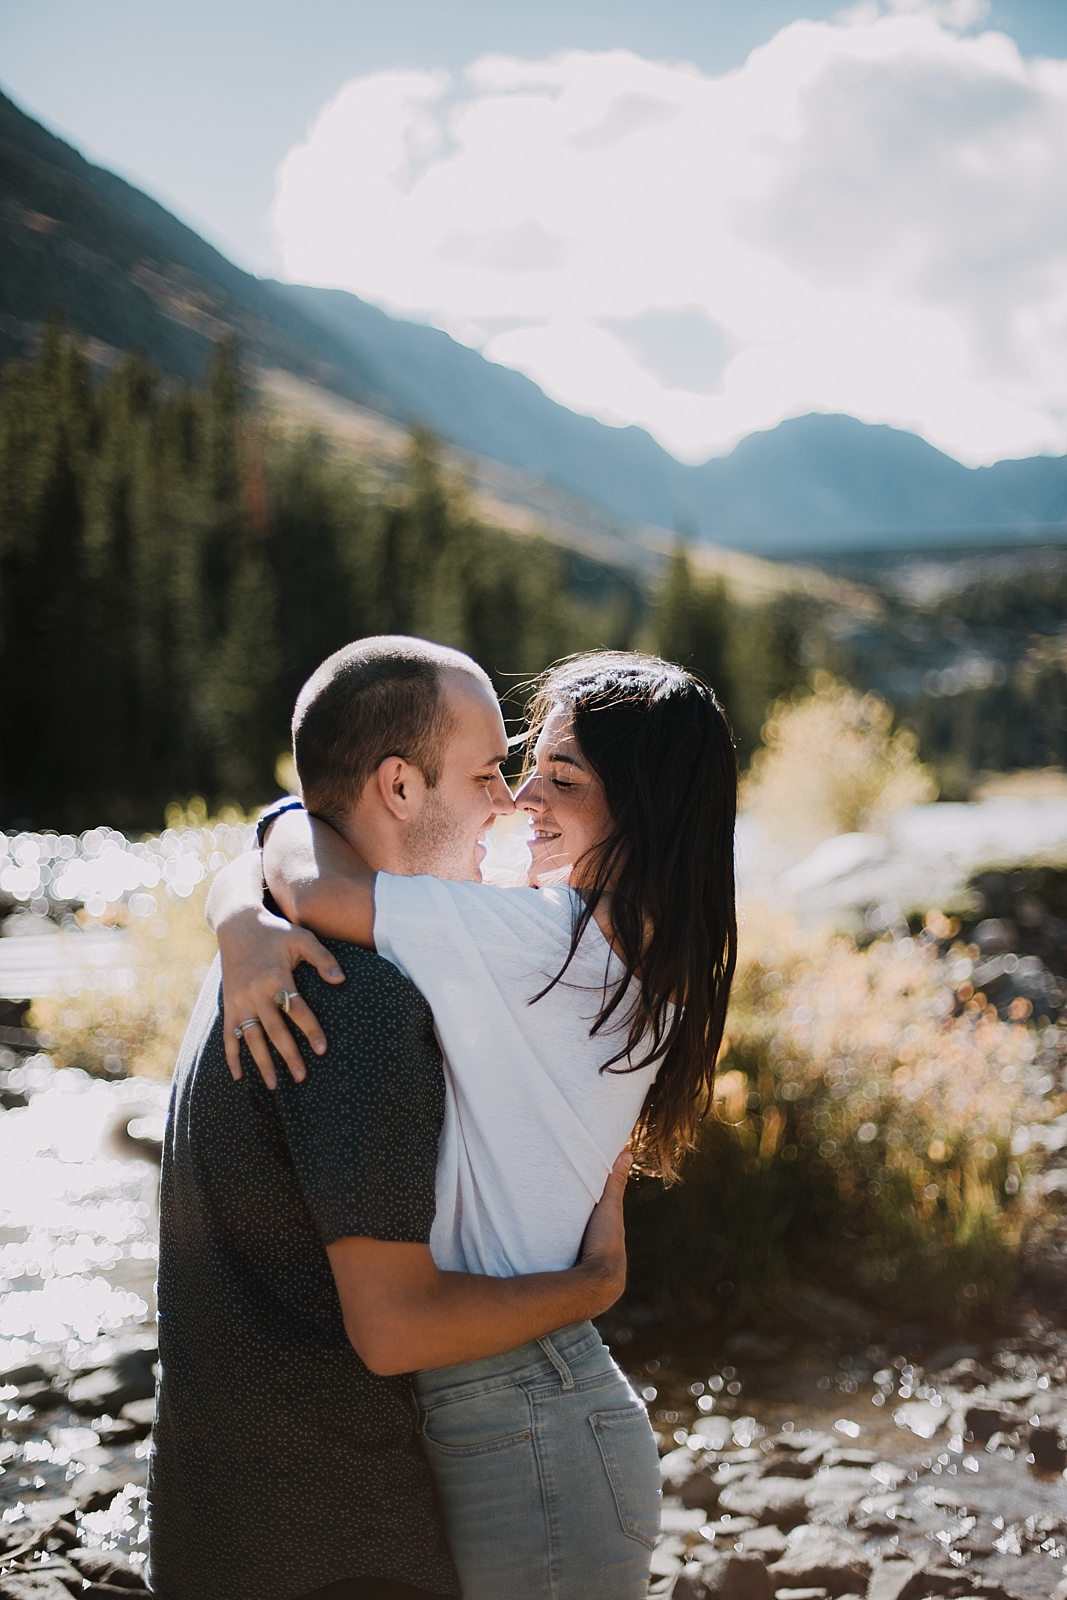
{"type": "Point", "coordinates": [564, 800]}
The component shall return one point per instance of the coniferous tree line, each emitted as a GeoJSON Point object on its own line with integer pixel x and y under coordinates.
{"type": "Point", "coordinates": [171, 571]}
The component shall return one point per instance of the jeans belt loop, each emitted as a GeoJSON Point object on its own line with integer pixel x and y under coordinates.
{"type": "Point", "coordinates": [566, 1377]}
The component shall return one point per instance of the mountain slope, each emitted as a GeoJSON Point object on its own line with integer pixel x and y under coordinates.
{"type": "Point", "coordinates": [125, 272]}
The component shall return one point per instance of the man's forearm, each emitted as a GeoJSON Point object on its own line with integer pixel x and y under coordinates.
{"type": "Point", "coordinates": [406, 1322]}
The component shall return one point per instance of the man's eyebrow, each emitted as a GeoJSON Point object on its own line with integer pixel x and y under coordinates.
{"type": "Point", "coordinates": [495, 760]}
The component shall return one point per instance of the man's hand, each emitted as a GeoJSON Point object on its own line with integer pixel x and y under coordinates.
{"type": "Point", "coordinates": [603, 1252]}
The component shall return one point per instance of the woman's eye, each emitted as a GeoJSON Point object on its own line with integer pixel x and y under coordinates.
{"type": "Point", "coordinates": [561, 783]}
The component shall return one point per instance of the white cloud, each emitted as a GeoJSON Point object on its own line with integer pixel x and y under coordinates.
{"type": "Point", "coordinates": [868, 217]}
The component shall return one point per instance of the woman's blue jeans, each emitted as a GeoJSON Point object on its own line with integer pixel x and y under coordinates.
{"type": "Point", "coordinates": [546, 1469]}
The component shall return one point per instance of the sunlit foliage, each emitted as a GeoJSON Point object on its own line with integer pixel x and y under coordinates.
{"type": "Point", "coordinates": [832, 762]}
{"type": "Point", "coordinates": [862, 1137]}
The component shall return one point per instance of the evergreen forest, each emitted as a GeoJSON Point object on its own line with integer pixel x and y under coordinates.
{"type": "Point", "coordinates": [172, 568]}
{"type": "Point", "coordinates": [171, 571]}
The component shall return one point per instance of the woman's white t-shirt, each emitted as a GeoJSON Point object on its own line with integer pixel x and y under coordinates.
{"type": "Point", "coordinates": [532, 1126]}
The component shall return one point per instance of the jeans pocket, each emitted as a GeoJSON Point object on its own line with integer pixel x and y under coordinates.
{"type": "Point", "coordinates": [478, 1424]}
{"type": "Point", "coordinates": [631, 1462]}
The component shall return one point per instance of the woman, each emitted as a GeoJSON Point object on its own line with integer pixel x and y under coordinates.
{"type": "Point", "coordinates": [573, 1015]}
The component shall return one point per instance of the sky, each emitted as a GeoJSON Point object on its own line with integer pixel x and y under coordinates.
{"type": "Point", "coordinates": [701, 217]}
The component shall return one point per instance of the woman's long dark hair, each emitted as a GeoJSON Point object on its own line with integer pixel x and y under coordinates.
{"type": "Point", "coordinates": [660, 744]}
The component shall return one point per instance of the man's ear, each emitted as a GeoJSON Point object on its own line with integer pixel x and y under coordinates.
{"type": "Point", "coordinates": [401, 787]}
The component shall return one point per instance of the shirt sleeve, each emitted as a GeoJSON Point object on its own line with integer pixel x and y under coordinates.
{"type": "Point", "coordinates": [363, 1128]}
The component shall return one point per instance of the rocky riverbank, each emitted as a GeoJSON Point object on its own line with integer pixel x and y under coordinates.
{"type": "Point", "coordinates": [865, 1474]}
{"type": "Point", "coordinates": [892, 1471]}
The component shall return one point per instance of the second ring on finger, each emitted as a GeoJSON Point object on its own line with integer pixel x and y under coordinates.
{"type": "Point", "coordinates": [241, 1028]}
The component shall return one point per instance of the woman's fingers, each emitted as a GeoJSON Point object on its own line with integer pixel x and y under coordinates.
{"type": "Point", "coordinates": [307, 948]}
{"type": "Point", "coordinates": [255, 1038]}
{"type": "Point", "coordinates": [232, 1044]}
{"type": "Point", "coordinates": [305, 1019]}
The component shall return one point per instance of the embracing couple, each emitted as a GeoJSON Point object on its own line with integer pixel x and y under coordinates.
{"type": "Point", "coordinates": [380, 1252]}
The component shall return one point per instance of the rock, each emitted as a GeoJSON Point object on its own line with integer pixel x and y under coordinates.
{"type": "Point", "coordinates": [700, 1490]}
{"type": "Point", "coordinates": [677, 1521]}
{"type": "Point", "coordinates": [142, 1413]}
{"type": "Point", "coordinates": [686, 1475]}
{"type": "Point", "coordinates": [689, 1585]}
{"type": "Point", "coordinates": [675, 1466]}
{"type": "Point", "coordinates": [817, 1446]}
{"type": "Point", "coordinates": [923, 1417]}
{"type": "Point", "coordinates": [1048, 1449]}
{"type": "Point", "coordinates": [777, 1500]}
{"type": "Point", "coordinates": [33, 1586]}
{"type": "Point", "coordinates": [96, 1487]}
{"type": "Point", "coordinates": [841, 1486]}
{"type": "Point", "coordinates": [967, 1375]}
{"type": "Point", "coordinates": [734, 1577]}
{"type": "Point", "coordinates": [889, 1579]}
{"type": "Point", "coordinates": [982, 1422]}
{"type": "Point", "coordinates": [107, 1567]}
{"type": "Point", "coordinates": [820, 1556]}
{"type": "Point", "coordinates": [926, 1582]}
{"type": "Point", "coordinates": [32, 1373]}
{"type": "Point", "coordinates": [120, 1432]}
{"type": "Point", "coordinates": [131, 1376]}
{"type": "Point", "coordinates": [786, 1465]}
{"type": "Point", "coordinates": [769, 1542]}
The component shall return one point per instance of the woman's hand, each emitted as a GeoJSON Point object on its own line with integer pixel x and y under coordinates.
{"type": "Point", "coordinates": [259, 954]}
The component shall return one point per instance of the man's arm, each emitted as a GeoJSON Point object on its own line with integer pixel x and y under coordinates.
{"type": "Point", "coordinates": [404, 1315]}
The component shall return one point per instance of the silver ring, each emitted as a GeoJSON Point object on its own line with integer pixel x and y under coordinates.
{"type": "Point", "coordinates": [284, 998]}
{"type": "Point", "coordinates": [239, 1031]}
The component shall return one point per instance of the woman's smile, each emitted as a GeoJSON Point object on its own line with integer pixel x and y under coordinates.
{"type": "Point", "coordinates": [564, 800]}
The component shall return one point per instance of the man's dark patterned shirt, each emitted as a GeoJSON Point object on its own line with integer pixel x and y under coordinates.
{"type": "Point", "coordinates": [280, 1463]}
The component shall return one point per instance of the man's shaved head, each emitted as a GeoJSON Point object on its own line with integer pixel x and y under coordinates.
{"type": "Point", "coordinates": [374, 698]}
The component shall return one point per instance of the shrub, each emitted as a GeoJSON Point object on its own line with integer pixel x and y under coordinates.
{"type": "Point", "coordinates": [861, 1140]}
{"type": "Point", "coordinates": [134, 1021]}
{"type": "Point", "coordinates": [832, 763]}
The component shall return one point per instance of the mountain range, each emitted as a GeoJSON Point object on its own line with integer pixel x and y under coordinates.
{"type": "Point", "coordinates": [124, 272]}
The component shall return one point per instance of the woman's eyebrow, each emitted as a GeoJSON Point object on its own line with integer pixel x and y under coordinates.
{"type": "Point", "coordinates": [569, 761]}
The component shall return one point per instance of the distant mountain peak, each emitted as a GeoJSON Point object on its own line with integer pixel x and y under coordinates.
{"type": "Point", "coordinates": [126, 273]}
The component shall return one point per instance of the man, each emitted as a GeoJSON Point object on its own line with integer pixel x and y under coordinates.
{"type": "Point", "coordinates": [296, 1286]}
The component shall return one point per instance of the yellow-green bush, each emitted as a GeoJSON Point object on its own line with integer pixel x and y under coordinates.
{"type": "Point", "coordinates": [135, 1023]}
{"type": "Point", "coordinates": [871, 1110]}
{"type": "Point", "coordinates": [832, 762]}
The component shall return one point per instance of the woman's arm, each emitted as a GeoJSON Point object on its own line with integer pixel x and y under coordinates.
{"type": "Point", "coordinates": [259, 953]}
{"type": "Point", "coordinates": [318, 880]}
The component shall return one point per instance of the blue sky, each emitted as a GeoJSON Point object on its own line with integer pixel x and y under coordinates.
{"type": "Point", "coordinates": [584, 190]}
{"type": "Point", "coordinates": [199, 100]}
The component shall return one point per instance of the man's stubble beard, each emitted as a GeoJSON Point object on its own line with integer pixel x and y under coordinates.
{"type": "Point", "coordinates": [435, 843]}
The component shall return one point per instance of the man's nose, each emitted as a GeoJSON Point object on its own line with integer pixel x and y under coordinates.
{"type": "Point", "coordinates": [500, 794]}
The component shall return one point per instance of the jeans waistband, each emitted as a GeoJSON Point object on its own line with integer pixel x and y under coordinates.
{"type": "Point", "coordinates": [539, 1359]}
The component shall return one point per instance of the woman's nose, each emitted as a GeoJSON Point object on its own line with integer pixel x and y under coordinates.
{"type": "Point", "coordinates": [530, 797]}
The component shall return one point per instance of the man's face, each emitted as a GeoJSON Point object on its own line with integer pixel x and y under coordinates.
{"type": "Point", "coordinates": [444, 838]}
